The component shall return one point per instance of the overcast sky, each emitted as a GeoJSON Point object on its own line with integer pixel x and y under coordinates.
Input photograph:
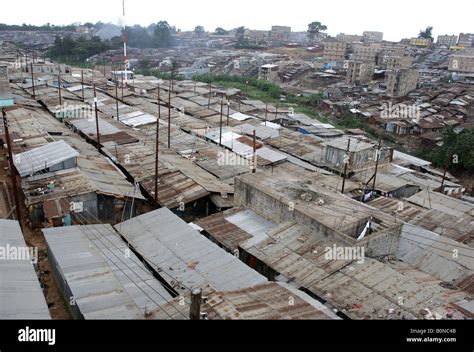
{"type": "Point", "coordinates": [397, 19]}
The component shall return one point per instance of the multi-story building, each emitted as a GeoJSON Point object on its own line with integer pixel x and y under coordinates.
{"type": "Point", "coordinates": [448, 40]}
{"type": "Point", "coordinates": [372, 37]}
{"type": "Point", "coordinates": [359, 73]}
{"type": "Point", "coordinates": [401, 81]}
{"type": "Point", "coordinates": [255, 36]}
{"type": "Point", "coordinates": [466, 40]}
{"type": "Point", "coordinates": [394, 62]}
{"type": "Point", "coordinates": [421, 42]}
{"type": "Point", "coordinates": [366, 52]}
{"type": "Point", "coordinates": [268, 72]}
{"type": "Point", "coordinates": [462, 62]}
{"type": "Point", "coordinates": [280, 34]}
{"type": "Point", "coordinates": [335, 50]}
{"type": "Point", "coordinates": [349, 38]}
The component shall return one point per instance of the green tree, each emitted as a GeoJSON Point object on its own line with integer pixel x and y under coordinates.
{"type": "Point", "coordinates": [427, 33]}
{"type": "Point", "coordinates": [162, 35]}
{"type": "Point", "coordinates": [314, 28]}
{"type": "Point", "coordinates": [460, 146]}
{"type": "Point", "coordinates": [240, 33]}
{"type": "Point", "coordinates": [221, 31]}
{"type": "Point", "coordinates": [199, 31]}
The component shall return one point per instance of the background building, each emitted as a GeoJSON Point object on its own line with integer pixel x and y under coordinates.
{"type": "Point", "coordinates": [366, 52]}
{"type": "Point", "coordinates": [359, 72]}
{"type": "Point", "coordinates": [463, 62]}
{"type": "Point", "coordinates": [335, 51]}
{"type": "Point", "coordinates": [372, 36]}
{"type": "Point", "coordinates": [448, 40]}
{"type": "Point", "coordinates": [402, 81]}
{"type": "Point", "coordinates": [349, 38]}
{"type": "Point", "coordinates": [466, 40]}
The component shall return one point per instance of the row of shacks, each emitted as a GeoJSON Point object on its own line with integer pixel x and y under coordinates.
{"type": "Point", "coordinates": [100, 280]}
{"type": "Point", "coordinates": [64, 179]}
{"type": "Point", "coordinates": [192, 178]}
{"type": "Point", "coordinates": [407, 270]}
{"type": "Point", "coordinates": [286, 236]}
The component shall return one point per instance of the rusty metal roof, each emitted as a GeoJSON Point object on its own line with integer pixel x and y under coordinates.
{"type": "Point", "coordinates": [269, 301]}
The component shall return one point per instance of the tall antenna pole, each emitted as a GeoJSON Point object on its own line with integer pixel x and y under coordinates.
{"type": "Point", "coordinates": [12, 167]}
{"type": "Point", "coordinates": [125, 61]}
{"type": "Point", "coordinates": [157, 146]}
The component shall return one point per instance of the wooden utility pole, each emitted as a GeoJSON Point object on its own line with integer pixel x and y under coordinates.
{"type": "Point", "coordinates": [276, 112]}
{"type": "Point", "coordinates": [254, 166]}
{"type": "Point", "coordinates": [377, 157]}
{"type": "Point", "coordinates": [33, 82]}
{"type": "Point", "coordinates": [157, 146]}
{"type": "Point", "coordinates": [347, 160]}
{"type": "Point", "coordinates": [220, 125]}
{"type": "Point", "coordinates": [266, 114]}
{"type": "Point", "coordinates": [82, 84]}
{"type": "Point", "coordinates": [209, 99]}
{"type": "Point", "coordinates": [117, 100]}
{"type": "Point", "coordinates": [169, 116]}
{"type": "Point", "coordinates": [122, 83]}
{"type": "Point", "coordinates": [446, 167]}
{"type": "Point", "coordinates": [96, 119]}
{"type": "Point", "coordinates": [59, 91]}
{"type": "Point", "coordinates": [228, 112]}
{"type": "Point", "coordinates": [195, 311]}
{"type": "Point", "coordinates": [16, 191]}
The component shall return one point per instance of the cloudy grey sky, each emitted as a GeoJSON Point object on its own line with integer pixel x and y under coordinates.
{"type": "Point", "coordinates": [396, 18]}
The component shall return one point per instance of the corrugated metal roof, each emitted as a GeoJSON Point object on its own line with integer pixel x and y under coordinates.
{"type": "Point", "coordinates": [434, 254]}
{"type": "Point", "coordinates": [104, 282]}
{"type": "Point", "coordinates": [21, 296]}
{"type": "Point", "coordinates": [240, 117]}
{"type": "Point", "coordinates": [440, 202]}
{"type": "Point", "coordinates": [171, 245]}
{"type": "Point", "coordinates": [406, 159]}
{"type": "Point", "coordinates": [226, 233]}
{"type": "Point", "coordinates": [252, 223]}
{"type": "Point", "coordinates": [356, 145]}
{"type": "Point", "coordinates": [269, 301]}
{"type": "Point", "coordinates": [42, 158]}
{"type": "Point", "coordinates": [459, 228]}
{"type": "Point", "coordinates": [359, 290]}
{"type": "Point", "coordinates": [137, 119]}
{"type": "Point", "coordinates": [262, 132]}
{"type": "Point", "coordinates": [88, 126]}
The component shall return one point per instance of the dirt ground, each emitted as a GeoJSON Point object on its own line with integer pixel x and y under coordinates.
{"type": "Point", "coordinates": [34, 238]}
